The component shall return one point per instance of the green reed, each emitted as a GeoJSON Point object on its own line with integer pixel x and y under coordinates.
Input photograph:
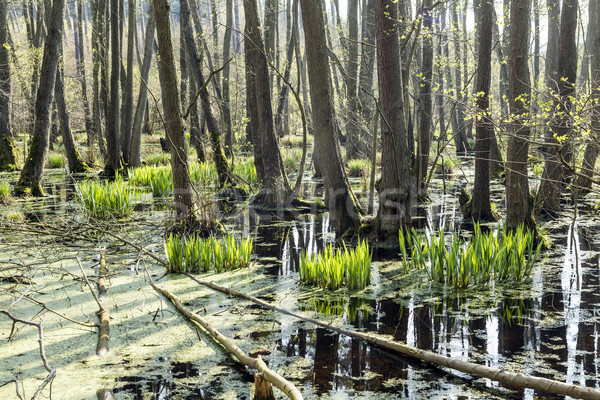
{"type": "Point", "coordinates": [333, 268]}
{"type": "Point", "coordinates": [106, 200]}
{"type": "Point", "coordinates": [158, 177]}
{"type": "Point", "coordinates": [487, 256]}
{"type": "Point", "coordinates": [195, 254]}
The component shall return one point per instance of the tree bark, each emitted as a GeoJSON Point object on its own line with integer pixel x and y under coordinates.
{"type": "Point", "coordinates": [555, 173]}
{"type": "Point", "coordinates": [394, 194]}
{"type": "Point", "coordinates": [127, 117]}
{"type": "Point", "coordinates": [425, 103]}
{"type": "Point", "coordinates": [352, 121]}
{"type": "Point", "coordinates": [225, 175]}
{"type": "Point", "coordinates": [8, 155]}
{"type": "Point", "coordinates": [343, 206]}
{"type": "Point", "coordinates": [33, 170]}
{"type": "Point", "coordinates": [226, 76]}
{"type": "Point", "coordinates": [481, 207]}
{"type": "Point", "coordinates": [182, 188]}
{"type": "Point", "coordinates": [517, 183]}
{"type": "Point", "coordinates": [274, 184]}
{"type": "Point", "coordinates": [113, 159]}
{"type": "Point", "coordinates": [136, 131]}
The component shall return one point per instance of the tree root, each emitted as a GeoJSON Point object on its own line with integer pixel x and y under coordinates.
{"type": "Point", "coordinates": [253, 362]}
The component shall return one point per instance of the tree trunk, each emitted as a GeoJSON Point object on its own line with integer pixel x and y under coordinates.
{"type": "Point", "coordinates": [182, 188]}
{"type": "Point", "coordinates": [366, 74]}
{"type": "Point", "coordinates": [32, 173]}
{"type": "Point", "coordinates": [127, 117]}
{"type": "Point", "coordinates": [425, 103]}
{"type": "Point", "coordinates": [8, 155]}
{"type": "Point", "coordinates": [517, 183]}
{"type": "Point", "coordinates": [283, 92]}
{"type": "Point", "coordinates": [460, 132]}
{"type": "Point", "coordinates": [140, 112]}
{"type": "Point", "coordinates": [226, 75]}
{"type": "Point", "coordinates": [352, 121]}
{"type": "Point", "coordinates": [274, 183]}
{"type": "Point", "coordinates": [225, 175]}
{"type": "Point", "coordinates": [481, 207]}
{"type": "Point", "coordinates": [584, 181]}
{"type": "Point", "coordinates": [113, 159]}
{"type": "Point", "coordinates": [394, 194]}
{"type": "Point", "coordinates": [76, 164]}
{"type": "Point", "coordinates": [555, 174]}
{"type": "Point", "coordinates": [343, 206]}
{"type": "Point", "coordinates": [77, 13]}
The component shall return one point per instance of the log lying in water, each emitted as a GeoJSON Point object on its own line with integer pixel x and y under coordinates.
{"type": "Point", "coordinates": [103, 313]}
{"type": "Point", "coordinates": [508, 378]}
{"type": "Point", "coordinates": [253, 362]}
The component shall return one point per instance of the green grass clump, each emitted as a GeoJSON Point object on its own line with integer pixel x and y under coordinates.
{"type": "Point", "coordinates": [500, 256]}
{"type": "Point", "coordinates": [5, 191]}
{"type": "Point", "coordinates": [55, 160]}
{"type": "Point", "coordinates": [159, 178]}
{"type": "Point", "coordinates": [106, 200]}
{"type": "Point", "coordinates": [359, 168]}
{"type": "Point", "coordinates": [204, 174]}
{"type": "Point", "coordinates": [444, 165]}
{"type": "Point", "coordinates": [158, 159]}
{"type": "Point", "coordinates": [246, 170]}
{"type": "Point", "coordinates": [334, 268]}
{"type": "Point", "coordinates": [195, 254]}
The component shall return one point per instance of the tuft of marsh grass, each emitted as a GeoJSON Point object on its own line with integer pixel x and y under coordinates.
{"type": "Point", "coordinates": [55, 160]}
{"type": "Point", "coordinates": [359, 168]}
{"type": "Point", "coordinates": [333, 268]}
{"type": "Point", "coordinates": [204, 174]}
{"type": "Point", "coordinates": [486, 257]}
{"type": "Point", "coordinates": [106, 200]}
{"type": "Point", "coordinates": [246, 170]}
{"type": "Point", "coordinates": [195, 254]}
{"type": "Point", "coordinates": [5, 191]}
{"type": "Point", "coordinates": [159, 178]}
{"type": "Point", "coordinates": [444, 165]}
{"type": "Point", "coordinates": [158, 159]}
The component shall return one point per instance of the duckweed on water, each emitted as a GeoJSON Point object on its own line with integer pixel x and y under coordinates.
{"type": "Point", "coordinates": [106, 200]}
{"type": "Point", "coordinates": [500, 256]}
{"type": "Point", "coordinates": [195, 254]}
{"type": "Point", "coordinates": [334, 268]}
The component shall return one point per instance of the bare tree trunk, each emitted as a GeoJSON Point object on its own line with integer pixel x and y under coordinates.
{"type": "Point", "coordinates": [32, 173]}
{"type": "Point", "coordinates": [274, 183]}
{"type": "Point", "coordinates": [366, 73]}
{"type": "Point", "coordinates": [352, 122]}
{"type": "Point", "coordinates": [127, 117]}
{"type": "Point", "coordinates": [584, 181]}
{"type": "Point", "coordinates": [517, 183]}
{"type": "Point", "coordinates": [343, 206]}
{"type": "Point", "coordinates": [555, 174]}
{"type": "Point", "coordinates": [481, 207]}
{"type": "Point", "coordinates": [140, 112]}
{"type": "Point", "coordinates": [113, 160]}
{"type": "Point", "coordinates": [226, 76]}
{"type": "Point", "coordinates": [283, 92]}
{"type": "Point", "coordinates": [425, 104]}
{"type": "Point", "coordinates": [225, 175]}
{"type": "Point", "coordinates": [8, 155]}
{"type": "Point", "coordinates": [394, 194]}
{"type": "Point", "coordinates": [460, 132]}
{"type": "Point", "coordinates": [182, 188]}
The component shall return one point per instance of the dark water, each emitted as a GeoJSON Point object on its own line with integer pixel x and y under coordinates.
{"type": "Point", "coordinates": [548, 326]}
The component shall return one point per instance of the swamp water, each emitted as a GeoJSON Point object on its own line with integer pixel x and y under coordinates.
{"type": "Point", "coordinates": [546, 326]}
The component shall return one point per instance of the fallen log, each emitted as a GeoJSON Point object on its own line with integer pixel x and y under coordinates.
{"type": "Point", "coordinates": [512, 379]}
{"type": "Point", "coordinates": [256, 363]}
